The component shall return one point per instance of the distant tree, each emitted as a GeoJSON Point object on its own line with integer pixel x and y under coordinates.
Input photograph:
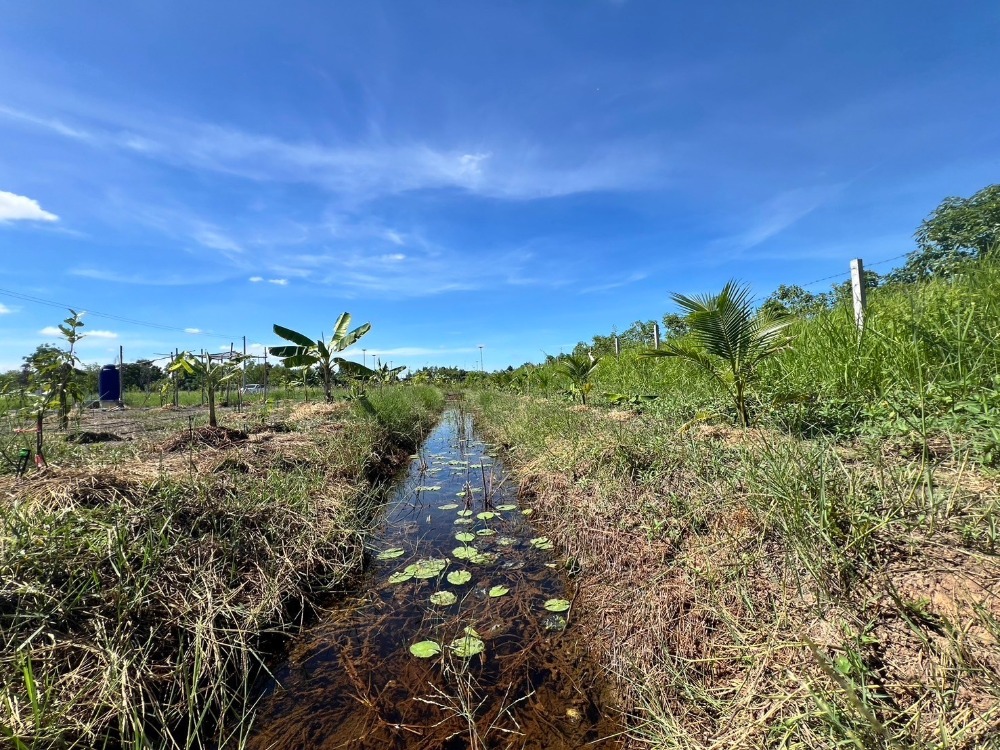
{"type": "Point", "coordinates": [141, 375]}
{"type": "Point", "coordinates": [674, 326]}
{"type": "Point", "coordinates": [957, 230]}
{"type": "Point", "coordinates": [795, 300]}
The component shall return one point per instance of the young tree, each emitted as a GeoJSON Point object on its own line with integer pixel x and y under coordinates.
{"type": "Point", "coordinates": [307, 352]}
{"type": "Point", "coordinates": [578, 370]}
{"type": "Point", "coordinates": [728, 339]}
{"type": "Point", "coordinates": [212, 371]}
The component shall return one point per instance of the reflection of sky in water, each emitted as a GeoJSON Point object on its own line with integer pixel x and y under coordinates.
{"type": "Point", "coordinates": [351, 680]}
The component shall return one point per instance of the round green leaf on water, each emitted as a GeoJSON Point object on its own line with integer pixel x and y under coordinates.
{"type": "Point", "coordinates": [497, 591]}
{"type": "Point", "coordinates": [425, 649]}
{"type": "Point", "coordinates": [448, 506]}
{"type": "Point", "coordinates": [486, 532]}
{"type": "Point", "coordinates": [467, 646]}
{"type": "Point", "coordinates": [464, 513]}
{"type": "Point", "coordinates": [557, 605]}
{"type": "Point", "coordinates": [542, 542]}
{"type": "Point", "coordinates": [507, 506]}
{"type": "Point", "coordinates": [390, 554]}
{"type": "Point", "coordinates": [527, 511]}
{"type": "Point", "coordinates": [465, 553]}
{"type": "Point", "coordinates": [443, 598]}
{"type": "Point", "coordinates": [427, 488]}
{"type": "Point", "coordinates": [459, 577]}
{"type": "Point", "coordinates": [400, 576]}
{"type": "Point", "coordinates": [507, 541]}
{"type": "Point", "coordinates": [428, 568]}
{"type": "Point", "coordinates": [483, 559]}
{"type": "Point", "coordinates": [463, 520]}
{"type": "Point", "coordinates": [465, 536]}
{"type": "Point", "coordinates": [486, 515]}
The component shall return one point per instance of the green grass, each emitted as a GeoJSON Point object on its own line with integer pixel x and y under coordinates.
{"type": "Point", "coordinates": [134, 595]}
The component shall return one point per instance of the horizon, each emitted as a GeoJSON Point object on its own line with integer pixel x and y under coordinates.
{"type": "Point", "coordinates": [517, 178]}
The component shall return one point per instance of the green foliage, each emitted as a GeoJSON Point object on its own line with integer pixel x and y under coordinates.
{"type": "Point", "coordinates": [578, 369]}
{"type": "Point", "coordinates": [307, 353]}
{"type": "Point", "coordinates": [729, 339]}
{"type": "Point", "coordinates": [212, 371]}
{"type": "Point", "coordinates": [958, 230]}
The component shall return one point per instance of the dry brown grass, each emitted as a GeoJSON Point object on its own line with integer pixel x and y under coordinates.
{"type": "Point", "coordinates": [703, 602]}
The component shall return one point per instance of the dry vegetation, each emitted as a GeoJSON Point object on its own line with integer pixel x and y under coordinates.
{"type": "Point", "coordinates": [142, 587]}
{"type": "Point", "coordinates": [749, 589]}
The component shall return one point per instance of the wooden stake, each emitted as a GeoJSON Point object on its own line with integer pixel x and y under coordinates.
{"type": "Point", "coordinates": [858, 292]}
{"type": "Point", "coordinates": [656, 335]}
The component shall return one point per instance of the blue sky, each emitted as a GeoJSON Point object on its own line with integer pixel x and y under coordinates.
{"type": "Point", "coordinates": [519, 175]}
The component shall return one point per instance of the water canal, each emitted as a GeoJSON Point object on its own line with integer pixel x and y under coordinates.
{"type": "Point", "coordinates": [460, 635]}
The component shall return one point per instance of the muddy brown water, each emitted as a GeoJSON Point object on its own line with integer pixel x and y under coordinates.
{"type": "Point", "coordinates": [351, 680]}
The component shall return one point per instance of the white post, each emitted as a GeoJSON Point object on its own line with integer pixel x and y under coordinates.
{"type": "Point", "coordinates": [618, 349]}
{"type": "Point", "coordinates": [656, 335]}
{"type": "Point", "coordinates": [858, 292]}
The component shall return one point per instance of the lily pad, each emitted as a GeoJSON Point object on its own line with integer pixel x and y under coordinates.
{"type": "Point", "coordinates": [465, 513]}
{"type": "Point", "coordinates": [428, 568]}
{"type": "Point", "coordinates": [428, 488]}
{"type": "Point", "coordinates": [390, 554]}
{"type": "Point", "coordinates": [465, 553]}
{"type": "Point", "coordinates": [486, 515]}
{"type": "Point", "coordinates": [459, 577]}
{"type": "Point", "coordinates": [498, 591]}
{"type": "Point", "coordinates": [460, 494]}
{"type": "Point", "coordinates": [557, 605]}
{"type": "Point", "coordinates": [448, 506]}
{"type": "Point", "coordinates": [464, 520]}
{"type": "Point", "coordinates": [507, 541]}
{"type": "Point", "coordinates": [507, 506]}
{"type": "Point", "coordinates": [542, 542]}
{"type": "Point", "coordinates": [486, 532]}
{"type": "Point", "coordinates": [465, 536]}
{"type": "Point", "coordinates": [467, 646]}
{"type": "Point", "coordinates": [483, 558]}
{"type": "Point", "coordinates": [527, 511]}
{"type": "Point", "coordinates": [425, 649]}
{"type": "Point", "coordinates": [400, 576]}
{"type": "Point", "coordinates": [443, 598]}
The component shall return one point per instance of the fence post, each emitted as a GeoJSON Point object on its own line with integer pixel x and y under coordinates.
{"type": "Point", "coordinates": [618, 349]}
{"type": "Point", "coordinates": [656, 335]}
{"type": "Point", "coordinates": [858, 292]}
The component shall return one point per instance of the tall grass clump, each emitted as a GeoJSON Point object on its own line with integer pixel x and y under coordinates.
{"type": "Point", "coordinates": [139, 601]}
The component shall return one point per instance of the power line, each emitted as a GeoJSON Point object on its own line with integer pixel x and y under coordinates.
{"type": "Point", "coordinates": [109, 316]}
{"type": "Point", "coordinates": [843, 274]}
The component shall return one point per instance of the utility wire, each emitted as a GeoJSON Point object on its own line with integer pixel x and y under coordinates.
{"type": "Point", "coordinates": [109, 316]}
{"type": "Point", "coordinates": [847, 273]}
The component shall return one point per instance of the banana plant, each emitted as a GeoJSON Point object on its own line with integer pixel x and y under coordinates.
{"type": "Point", "coordinates": [213, 371]}
{"type": "Point", "coordinates": [307, 353]}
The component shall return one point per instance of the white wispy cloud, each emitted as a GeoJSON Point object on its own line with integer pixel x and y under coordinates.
{"type": "Point", "coordinates": [775, 216]}
{"type": "Point", "coordinates": [412, 351]}
{"type": "Point", "coordinates": [179, 278]}
{"type": "Point", "coordinates": [255, 279]}
{"type": "Point", "coordinates": [14, 207]}
{"type": "Point", "coordinates": [363, 170]}
{"type": "Point", "coordinates": [101, 334]}
{"type": "Point", "coordinates": [192, 330]}
{"type": "Point", "coordinates": [278, 282]}
{"type": "Point", "coordinates": [614, 284]}
{"type": "Point", "coordinates": [4, 310]}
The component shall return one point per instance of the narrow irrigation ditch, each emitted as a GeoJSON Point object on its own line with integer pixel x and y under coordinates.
{"type": "Point", "coordinates": [460, 634]}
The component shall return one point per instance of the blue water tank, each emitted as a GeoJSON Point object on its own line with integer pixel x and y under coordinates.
{"type": "Point", "coordinates": [109, 387]}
